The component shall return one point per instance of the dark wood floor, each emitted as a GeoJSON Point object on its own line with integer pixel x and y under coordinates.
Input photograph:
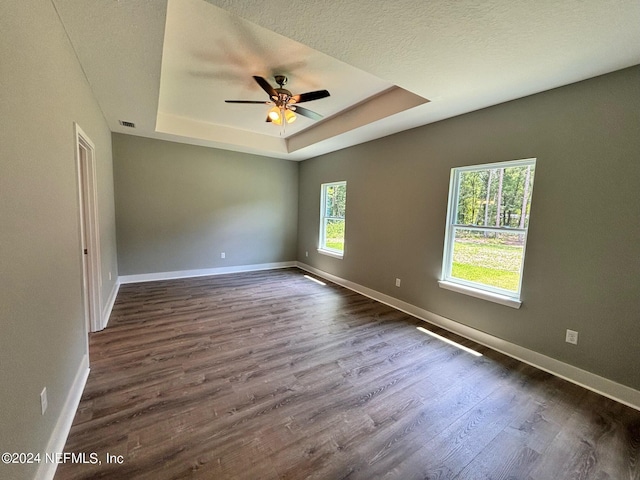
{"type": "Point", "coordinates": [268, 375]}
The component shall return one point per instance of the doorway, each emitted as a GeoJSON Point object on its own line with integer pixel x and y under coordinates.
{"type": "Point", "coordinates": [89, 232]}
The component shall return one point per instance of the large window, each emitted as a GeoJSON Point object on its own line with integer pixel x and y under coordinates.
{"type": "Point", "coordinates": [486, 235]}
{"type": "Point", "coordinates": [333, 204]}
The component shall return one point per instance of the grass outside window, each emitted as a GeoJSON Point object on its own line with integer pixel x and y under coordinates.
{"type": "Point", "coordinates": [488, 262]}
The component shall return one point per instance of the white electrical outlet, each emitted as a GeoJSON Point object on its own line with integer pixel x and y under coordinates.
{"type": "Point", "coordinates": [397, 282]}
{"type": "Point", "coordinates": [43, 400]}
{"type": "Point", "coordinates": [222, 255]}
{"type": "Point", "coordinates": [306, 254]}
{"type": "Point", "coordinates": [572, 337]}
{"type": "Point", "coordinates": [109, 275]}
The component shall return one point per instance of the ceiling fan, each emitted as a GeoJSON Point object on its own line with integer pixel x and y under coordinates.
{"type": "Point", "coordinates": [284, 102]}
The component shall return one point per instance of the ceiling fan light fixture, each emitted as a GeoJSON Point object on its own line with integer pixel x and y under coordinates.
{"type": "Point", "coordinates": [274, 115]}
{"type": "Point", "coordinates": [289, 116]}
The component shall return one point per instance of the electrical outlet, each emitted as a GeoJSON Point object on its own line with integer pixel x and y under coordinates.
{"type": "Point", "coordinates": [306, 254]}
{"type": "Point", "coordinates": [43, 400]}
{"type": "Point", "coordinates": [223, 255]}
{"type": "Point", "coordinates": [572, 337]}
{"type": "Point", "coordinates": [109, 275]}
{"type": "Point", "coordinates": [397, 282]}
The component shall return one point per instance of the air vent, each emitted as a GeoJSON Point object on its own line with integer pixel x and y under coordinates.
{"type": "Point", "coordinates": [127, 124]}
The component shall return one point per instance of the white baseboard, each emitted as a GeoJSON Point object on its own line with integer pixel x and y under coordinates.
{"type": "Point", "coordinates": [106, 312]}
{"type": "Point", "coordinates": [58, 438]}
{"type": "Point", "coordinates": [202, 272]}
{"type": "Point", "coordinates": [608, 388]}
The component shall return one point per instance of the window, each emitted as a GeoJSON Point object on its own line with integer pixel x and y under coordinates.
{"type": "Point", "coordinates": [486, 234]}
{"type": "Point", "coordinates": [333, 204]}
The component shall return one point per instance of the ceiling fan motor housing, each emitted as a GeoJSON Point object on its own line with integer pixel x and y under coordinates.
{"type": "Point", "coordinates": [284, 95]}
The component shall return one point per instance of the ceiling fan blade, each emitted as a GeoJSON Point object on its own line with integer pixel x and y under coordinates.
{"type": "Point", "coordinates": [309, 96]}
{"type": "Point", "coordinates": [305, 112]}
{"type": "Point", "coordinates": [257, 102]}
{"type": "Point", "coordinates": [266, 86]}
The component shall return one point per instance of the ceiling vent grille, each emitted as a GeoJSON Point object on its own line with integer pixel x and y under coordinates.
{"type": "Point", "coordinates": [127, 124]}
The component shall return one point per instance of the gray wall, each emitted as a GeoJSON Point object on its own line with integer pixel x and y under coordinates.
{"type": "Point", "coordinates": [179, 206]}
{"type": "Point", "coordinates": [43, 339]}
{"type": "Point", "coordinates": [582, 269]}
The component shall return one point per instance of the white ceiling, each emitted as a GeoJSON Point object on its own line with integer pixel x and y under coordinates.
{"type": "Point", "coordinates": [169, 66]}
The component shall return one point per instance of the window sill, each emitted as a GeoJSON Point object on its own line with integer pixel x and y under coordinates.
{"type": "Point", "coordinates": [330, 253]}
{"type": "Point", "coordinates": [474, 292]}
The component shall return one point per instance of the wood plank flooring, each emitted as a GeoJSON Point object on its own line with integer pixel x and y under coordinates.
{"type": "Point", "coordinates": [268, 375]}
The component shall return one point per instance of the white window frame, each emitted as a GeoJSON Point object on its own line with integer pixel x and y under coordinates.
{"type": "Point", "coordinates": [322, 248]}
{"type": "Point", "coordinates": [478, 290]}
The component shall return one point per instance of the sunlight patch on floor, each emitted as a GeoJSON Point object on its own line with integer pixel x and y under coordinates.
{"type": "Point", "coordinates": [450, 342]}
{"type": "Point", "coordinates": [314, 280]}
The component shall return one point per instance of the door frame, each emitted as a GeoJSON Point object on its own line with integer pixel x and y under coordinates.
{"type": "Point", "coordinates": [89, 229]}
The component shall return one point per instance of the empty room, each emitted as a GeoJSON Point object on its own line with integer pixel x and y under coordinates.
{"type": "Point", "coordinates": [297, 240]}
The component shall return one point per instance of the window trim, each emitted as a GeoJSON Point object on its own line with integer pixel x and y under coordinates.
{"type": "Point", "coordinates": [485, 292]}
{"type": "Point", "coordinates": [482, 294]}
{"type": "Point", "coordinates": [322, 248]}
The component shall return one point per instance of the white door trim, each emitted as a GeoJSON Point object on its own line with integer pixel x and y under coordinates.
{"type": "Point", "coordinates": [89, 230]}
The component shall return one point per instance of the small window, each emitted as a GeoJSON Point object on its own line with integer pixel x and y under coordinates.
{"type": "Point", "coordinates": [486, 234]}
{"type": "Point", "coordinates": [333, 204]}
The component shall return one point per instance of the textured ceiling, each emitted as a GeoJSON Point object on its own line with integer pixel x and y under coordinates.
{"type": "Point", "coordinates": [168, 67]}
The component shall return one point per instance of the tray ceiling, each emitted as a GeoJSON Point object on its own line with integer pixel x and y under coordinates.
{"type": "Point", "coordinates": [390, 66]}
